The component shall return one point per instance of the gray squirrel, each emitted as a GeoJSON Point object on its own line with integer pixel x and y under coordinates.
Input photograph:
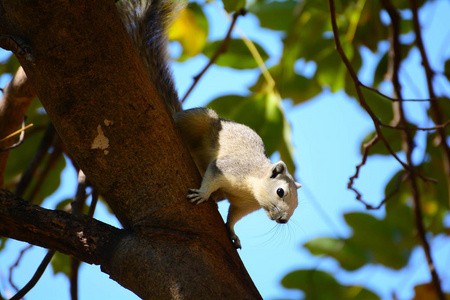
{"type": "Point", "coordinates": [230, 156]}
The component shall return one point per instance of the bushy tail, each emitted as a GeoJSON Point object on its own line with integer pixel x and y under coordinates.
{"type": "Point", "coordinates": [146, 22]}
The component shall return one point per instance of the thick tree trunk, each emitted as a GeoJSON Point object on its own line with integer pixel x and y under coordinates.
{"type": "Point", "coordinates": [91, 82]}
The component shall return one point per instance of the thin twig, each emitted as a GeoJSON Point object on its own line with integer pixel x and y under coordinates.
{"type": "Point", "coordinates": [435, 108]}
{"type": "Point", "coordinates": [40, 270]}
{"type": "Point", "coordinates": [53, 158]}
{"type": "Point", "coordinates": [21, 137]}
{"type": "Point", "coordinates": [94, 201]}
{"type": "Point", "coordinates": [21, 130]}
{"type": "Point", "coordinates": [440, 126]}
{"type": "Point", "coordinates": [408, 144]}
{"type": "Point", "coordinates": [351, 182]}
{"type": "Point", "coordinates": [221, 50]}
{"type": "Point", "coordinates": [361, 98]}
{"type": "Point", "coordinates": [417, 207]}
{"type": "Point", "coordinates": [395, 99]}
{"type": "Point", "coordinates": [46, 142]}
{"type": "Point", "coordinates": [77, 208]}
{"type": "Point", "coordinates": [11, 269]}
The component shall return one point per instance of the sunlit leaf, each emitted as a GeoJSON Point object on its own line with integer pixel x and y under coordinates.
{"type": "Point", "coordinates": [190, 30]}
{"type": "Point", "coordinates": [237, 55]}
{"type": "Point", "coordinates": [290, 85]}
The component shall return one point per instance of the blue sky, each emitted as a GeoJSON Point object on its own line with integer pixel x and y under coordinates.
{"type": "Point", "coordinates": [327, 132]}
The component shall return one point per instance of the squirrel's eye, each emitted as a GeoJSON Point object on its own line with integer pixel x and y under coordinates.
{"type": "Point", "coordinates": [280, 192]}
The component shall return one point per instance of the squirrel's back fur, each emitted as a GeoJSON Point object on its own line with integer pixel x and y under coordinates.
{"type": "Point", "coordinates": [202, 128]}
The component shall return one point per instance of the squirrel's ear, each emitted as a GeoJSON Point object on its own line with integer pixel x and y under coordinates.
{"type": "Point", "coordinates": [298, 185]}
{"type": "Point", "coordinates": [278, 168]}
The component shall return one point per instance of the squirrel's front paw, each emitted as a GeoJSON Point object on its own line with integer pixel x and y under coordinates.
{"type": "Point", "coordinates": [234, 238]}
{"type": "Point", "coordinates": [195, 196]}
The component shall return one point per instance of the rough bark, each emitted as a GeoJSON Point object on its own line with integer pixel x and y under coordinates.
{"type": "Point", "coordinates": [94, 88]}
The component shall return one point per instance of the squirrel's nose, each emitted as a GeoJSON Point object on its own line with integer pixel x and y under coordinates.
{"type": "Point", "coordinates": [281, 221]}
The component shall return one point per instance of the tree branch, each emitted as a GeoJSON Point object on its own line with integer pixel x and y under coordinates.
{"type": "Point", "coordinates": [407, 141]}
{"type": "Point", "coordinates": [13, 266]}
{"type": "Point", "coordinates": [171, 248]}
{"type": "Point", "coordinates": [37, 275]}
{"type": "Point", "coordinates": [47, 140]}
{"type": "Point", "coordinates": [221, 50]}
{"type": "Point", "coordinates": [16, 98]}
{"type": "Point", "coordinates": [435, 108]}
{"type": "Point", "coordinates": [361, 97]}
{"type": "Point", "coordinates": [75, 235]}
{"type": "Point", "coordinates": [21, 136]}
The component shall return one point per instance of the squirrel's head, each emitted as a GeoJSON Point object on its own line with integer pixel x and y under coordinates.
{"type": "Point", "coordinates": [278, 195]}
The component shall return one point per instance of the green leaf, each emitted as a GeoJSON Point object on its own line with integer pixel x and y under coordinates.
{"type": "Point", "coordinates": [379, 238]}
{"type": "Point", "coordinates": [321, 285]}
{"type": "Point", "coordinates": [51, 181]}
{"type": "Point", "coordinates": [380, 106]}
{"type": "Point", "coordinates": [386, 241]}
{"type": "Point", "coordinates": [381, 70]}
{"type": "Point", "coordinates": [406, 26]}
{"type": "Point", "coordinates": [331, 70]}
{"type": "Point", "coordinates": [9, 65]}
{"type": "Point", "coordinates": [447, 69]}
{"type": "Point", "coordinates": [3, 242]}
{"type": "Point", "coordinates": [274, 15]}
{"type": "Point", "coordinates": [233, 5]}
{"type": "Point", "coordinates": [66, 205]}
{"type": "Point", "coordinates": [350, 256]}
{"type": "Point", "coordinates": [236, 56]}
{"type": "Point", "coordinates": [391, 135]}
{"type": "Point", "coordinates": [61, 264]}
{"type": "Point", "coordinates": [370, 29]}
{"type": "Point", "coordinates": [20, 157]}
{"type": "Point", "coordinates": [290, 85]}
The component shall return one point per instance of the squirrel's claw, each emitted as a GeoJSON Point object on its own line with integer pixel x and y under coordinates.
{"type": "Point", "coordinates": [233, 237]}
{"type": "Point", "coordinates": [195, 196]}
{"type": "Point", "coordinates": [236, 242]}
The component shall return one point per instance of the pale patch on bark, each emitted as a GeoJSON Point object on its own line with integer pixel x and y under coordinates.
{"type": "Point", "coordinates": [101, 141]}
